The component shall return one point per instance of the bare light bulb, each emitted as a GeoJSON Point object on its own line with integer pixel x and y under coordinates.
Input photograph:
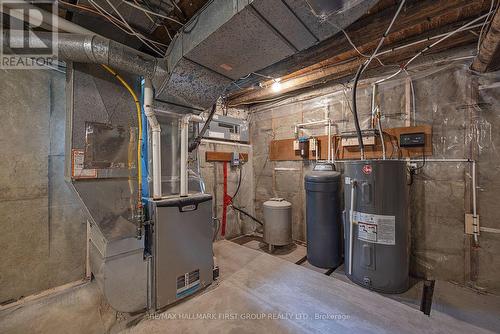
{"type": "Point", "coordinates": [276, 86]}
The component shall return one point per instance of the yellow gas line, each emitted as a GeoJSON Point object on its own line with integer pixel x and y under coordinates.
{"type": "Point", "coordinates": [139, 124]}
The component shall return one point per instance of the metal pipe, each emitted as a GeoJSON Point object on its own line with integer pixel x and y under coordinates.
{"type": "Point", "coordinates": [95, 49]}
{"type": "Point", "coordinates": [156, 138]}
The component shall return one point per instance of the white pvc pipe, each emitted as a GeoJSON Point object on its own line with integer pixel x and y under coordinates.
{"type": "Point", "coordinates": [379, 125]}
{"type": "Point", "coordinates": [184, 156]}
{"type": "Point", "coordinates": [155, 139]}
{"type": "Point", "coordinates": [330, 141]}
{"type": "Point", "coordinates": [56, 22]}
{"type": "Point", "coordinates": [184, 191]}
{"type": "Point", "coordinates": [351, 225]}
{"type": "Point", "coordinates": [474, 203]}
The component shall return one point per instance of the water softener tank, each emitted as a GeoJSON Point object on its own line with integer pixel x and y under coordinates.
{"type": "Point", "coordinates": [277, 222]}
{"type": "Point", "coordinates": [377, 224]}
{"type": "Point", "coordinates": [323, 218]}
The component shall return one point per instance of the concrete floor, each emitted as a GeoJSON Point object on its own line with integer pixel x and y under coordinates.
{"type": "Point", "coordinates": [468, 305]}
{"type": "Point", "coordinates": [257, 292]}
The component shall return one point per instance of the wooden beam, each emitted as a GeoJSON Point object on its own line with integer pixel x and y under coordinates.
{"type": "Point", "coordinates": [223, 156]}
{"type": "Point", "coordinates": [337, 71]}
{"type": "Point", "coordinates": [489, 51]}
{"type": "Point", "coordinates": [417, 17]}
{"type": "Point", "coordinates": [282, 150]}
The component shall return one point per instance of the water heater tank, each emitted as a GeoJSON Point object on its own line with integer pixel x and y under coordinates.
{"type": "Point", "coordinates": [323, 222]}
{"type": "Point", "coordinates": [377, 224]}
{"type": "Point", "coordinates": [277, 222]}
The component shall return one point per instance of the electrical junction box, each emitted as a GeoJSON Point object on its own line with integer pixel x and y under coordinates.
{"type": "Point", "coordinates": [235, 159]}
{"type": "Point", "coordinates": [350, 138]}
{"type": "Point", "coordinates": [228, 128]}
{"type": "Point", "coordinates": [296, 145]}
{"type": "Point", "coordinates": [313, 144]}
{"type": "Point", "coordinates": [353, 141]}
{"type": "Point", "coordinates": [412, 139]}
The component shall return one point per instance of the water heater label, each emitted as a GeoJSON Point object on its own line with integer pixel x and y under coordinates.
{"type": "Point", "coordinates": [376, 229]}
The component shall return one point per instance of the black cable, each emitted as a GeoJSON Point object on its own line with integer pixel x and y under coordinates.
{"type": "Point", "coordinates": [239, 183]}
{"type": "Point", "coordinates": [196, 142]}
{"type": "Point", "coordinates": [355, 110]}
{"type": "Point", "coordinates": [247, 214]}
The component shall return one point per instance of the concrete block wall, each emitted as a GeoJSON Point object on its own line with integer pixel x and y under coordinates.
{"type": "Point", "coordinates": [43, 224]}
{"type": "Point", "coordinates": [441, 192]}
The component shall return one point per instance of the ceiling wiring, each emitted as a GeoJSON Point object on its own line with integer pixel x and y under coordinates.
{"type": "Point", "coordinates": [151, 12]}
{"type": "Point", "coordinates": [480, 39]}
{"type": "Point", "coordinates": [427, 48]}
{"type": "Point", "coordinates": [154, 48]}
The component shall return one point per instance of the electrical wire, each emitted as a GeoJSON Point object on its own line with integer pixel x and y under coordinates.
{"type": "Point", "coordinates": [239, 184]}
{"type": "Point", "coordinates": [361, 69]}
{"type": "Point", "coordinates": [384, 36]}
{"type": "Point", "coordinates": [116, 22]}
{"type": "Point", "coordinates": [247, 214]}
{"type": "Point", "coordinates": [480, 38]}
{"type": "Point", "coordinates": [143, 40]}
{"type": "Point", "coordinates": [151, 12]}
{"type": "Point", "coordinates": [139, 125]}
{"type": "Point", "coordinates": [427, 48]}
{"type": "Point", "coordinates": [196, 142]}
{"type": "Point", "coordinates": [355, 111]}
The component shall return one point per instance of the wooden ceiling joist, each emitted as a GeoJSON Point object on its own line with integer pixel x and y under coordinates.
{"type": "Point", "coordinates": [488, 57]}
{"type": "Point", "coordinates": [336, 58]}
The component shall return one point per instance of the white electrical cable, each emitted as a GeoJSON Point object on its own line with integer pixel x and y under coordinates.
{"type": "Point", "coordinates": [464, 27]}
{"type": "Point", "coordinates": [374, 54]}
{"type": "Point", "coordinates": [152, 47]}
{"type": "Point", "coordinates": [151, 12]}
{"type": "Point", "coordinates": [112, 20]}
{"type": "Point", "coordinates": [413, 101]}
{"type": "Point", "coordinates": [484, 25]}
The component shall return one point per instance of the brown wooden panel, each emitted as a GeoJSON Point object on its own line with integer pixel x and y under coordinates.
{"type": "Point", "coordinates": [223, 156]}
{"type": "Point", "coordinates": [281, 150]}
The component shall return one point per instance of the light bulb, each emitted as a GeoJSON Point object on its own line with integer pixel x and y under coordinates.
{"type": "Point", "coordinates": [276, 86]}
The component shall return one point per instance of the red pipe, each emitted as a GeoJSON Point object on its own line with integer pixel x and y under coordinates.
{"type": "Point", "coordinates": [226, 202]}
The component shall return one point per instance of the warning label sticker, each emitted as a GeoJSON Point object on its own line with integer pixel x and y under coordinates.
{"type": "Point", "coordinates": [376, 229]}
{"type": "Point", "coordinates": [78, 171]}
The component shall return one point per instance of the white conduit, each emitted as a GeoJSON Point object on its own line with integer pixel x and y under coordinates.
{"type": "Point", "coordinates": [474, 208]}
{"type": "Point", "coordinates": [351, 225]}
{"type": "Point", "coordinates": [327, 122]}
{"type": "Point", "coordinates": [156, 135]}
{"type": "Point", "coordinates": [184, 191]}
{"type": "Point", "coordinates": [34, 12]}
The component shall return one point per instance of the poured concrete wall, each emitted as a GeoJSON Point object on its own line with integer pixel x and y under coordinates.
{"type": "Point", "coordinates": [42, 224]}
{"type": "Point", "coordinates": [213, 175]}
{"type": "Point", "coordinates": [462, 113]}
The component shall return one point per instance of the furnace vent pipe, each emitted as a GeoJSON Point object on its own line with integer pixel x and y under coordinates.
{"type": "Point", "coordinates": [155, 138]}
{"type": "Point", "coordinates": [184, 191]}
